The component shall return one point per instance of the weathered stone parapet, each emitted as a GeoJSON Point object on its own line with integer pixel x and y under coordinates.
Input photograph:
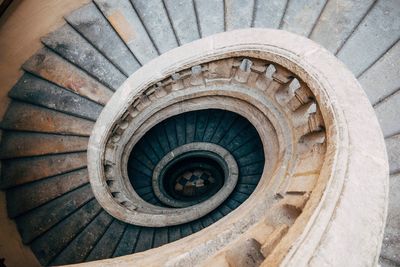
{"type": "Point", "coordinates": [324, 194]}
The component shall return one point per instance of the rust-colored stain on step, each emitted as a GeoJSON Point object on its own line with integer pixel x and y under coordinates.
{"type": "Point", "coordinates": [122, 26]}
{"type": "Point", "coordinates": [57, 70]}
{"type": "Point", "coordinates": [26, 117]}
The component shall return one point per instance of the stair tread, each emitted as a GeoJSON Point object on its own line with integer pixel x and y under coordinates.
{"type": "Point", "coordinates": [170, 129]}
{"type": "Point", "coordinates": [210, 16]}
{"type": "Point", "coordinates": [35, 90]}
{"type": "Point", "coordinates": [140, 167]}
{"type": "Point", "coordinates": [139, 180]}
{"type": "Point", "coordinates": [54, 68]}
{"type": "Point", "coordinates": [91, 23]}
{"type": "Point", "coordinates": [145, 239]}
{"type": "Point", "coordinates": [236, 128]}
{"type": "Point", "coordinates": [127, 243]}
{"type": "Point", "coordinates": [128, 25]}
{"type": "Point", "coordinates": [180, 129]}
{"type": "Point", "coordinates": [268, 14]}
{"type": "Point", "coordinates": [72, 46]}
{"type": "Point", "coordinates": [186, 230]}
{"type": "Point", "coordinates": [26, 117]}
{"type": "Point", "coordinates": [224, 209]}
{"type": "Point", "coordinates": [39, 220]}
{"type": "Point", "coordinates": [212, 125]}
{"type": "Point", "coordinates": [246, 148]}
{"type": "Point", "coordinates": [23, 170]}
{"type": "Point", "coordinates": [387, 113]}
{"type": "Point", "coordinates": [190, 125]}
{"type": "Point", "coordinates": [183, 19]}
{"type": "Point", "coordinates": [196, 226]}
{"type": "Point", "coordinates": [108, 242]}
{"type": "Point", "coordinates": [155, 19]}
{"type": "Point", "coordinates": [142, 148]}
{"type": "Point", "coordinates": [239, 196]}
{"type": "Point", "coordinates": [47, 246]}
{"type": "Point", "coordinates": [207, 221]}
{"type": "Point", "coordinates": [254, 157]}
{"type": "Point", "coordinates": [244, 137]}
{"type": "Point", "coordinates": [201, 125]}
{"type": "Point", "coordinates": [216, 215]}
{"type": "Point", "coordinates": [174, 233]}
{"type": "Point", "coordinates": [341, 14]}
{"type": "Point", "coordinates": [239, 14]}
{"type": "Point", "coordinates": [154, 144]}
{"type": "Point", "coordinates": [80, 247]}
{"type": "Point", "coordinates": [223, 127]}
{"type": "Point", "coordinates": [251, 169]}
{"type": "Point", "coordinates": [382, 79]}
{"type": "Point", "coordinates": [160, 237]}
{"type": "Point", "coordinates": [29, 196]}
{"type": "Point", "coordinates": [23, 144]}
{"type": "Point", "coordinates": [301, 15]}
{"type": "Point", "coordinates": [378, 31]}
{"type": "Point", "coordinates": [393, 149]}
{"type": "Point", "coordinates": [249, 179]}
{"type": "Point", "coordinates": [162, 138]}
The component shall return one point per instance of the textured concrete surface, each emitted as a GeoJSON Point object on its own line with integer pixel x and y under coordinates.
{"type": "Point", "coordinates": [390, 255]}
{"type": "Point", "coordinates": [376, 34]}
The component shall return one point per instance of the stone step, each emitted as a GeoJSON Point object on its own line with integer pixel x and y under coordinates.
{"type": "Point", "coordinates": [301, 16]}
{"type": "Point", "coordinates": [174, 233]}
{"type": "Point", "coordinates": [382, 78]}
{"type": "Point", "coordinates": [27, 197]}
{"type": "Point", "coordinates": [90, 22]}
{"type": "Point", "coordinates": [160, 237]}
{"type": "Point", "coordinates": [201, 125]}
{"type": "Point", "coordinates": [393, 149]}
{"type": "Point", "coordinates": [82, 246]}
{"type": "Point", "coordinates": [23, 144]}
{"type": "Point", "coordinates": [106, 245]}
{"type": "Point", "coordinates": [180, 129]}
{"type": "Point", "coordinates": [54, 68]}
{"type": "Point", "coordinates": [16, 172]}
{"type": "Point", "coordinates": [236, 128]}
{"type": "Point", "coordinates": [223, 127]}
{"type": "Point", "coordinates": [170, 129]}
{"type": "Point", "coordinates": [377, 33]}
{"type": "Point", "coordinates": [387, 113]}
{"type": "Point", "coordinates": [26, 117]}
{"type": "Point", "coordinates": [128, 241]}
{"type": "Point", "coordinates": [154, 17]}
{"type": "Point", "coordinates": [50, 244]}
{"type": "Point", "coordinates": [269, 14]}
{"type": "Point", "coordinates": [34, 90]}
{"type": "Point", "coordinates": [210, 16]}
{"type": "Point", "coordinates": [183, 18]}
{"type": "Point", "coordinates": [190, 125]}
{"type": "Point", "coordinates": [126, 22]}
{"type": "Point", "coordinates": [145, 239]}
{"type": "Point", "coordinates": [39, 220]}
{"type": "Point", "coordinates": [72, 46]}
{"type": "Point", "coordinates": [238, 14]}
{"type": "Point", "coordinates": [337, 22]}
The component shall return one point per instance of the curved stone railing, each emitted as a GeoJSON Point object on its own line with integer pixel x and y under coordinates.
{"type": "Point", "coordinates": [324, 187]}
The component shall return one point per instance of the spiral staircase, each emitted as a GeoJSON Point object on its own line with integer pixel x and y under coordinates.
{"type": "Point", "coordinates": [67, 83]}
